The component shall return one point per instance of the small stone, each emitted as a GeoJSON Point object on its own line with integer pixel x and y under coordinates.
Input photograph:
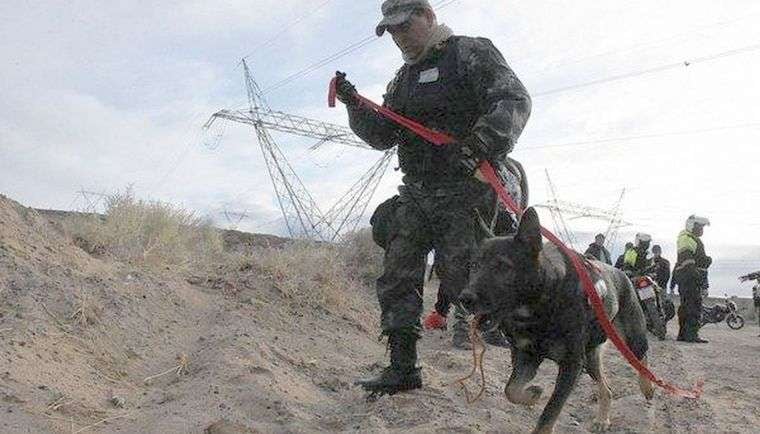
{"type": "Point", "coordinates": [118, 401]}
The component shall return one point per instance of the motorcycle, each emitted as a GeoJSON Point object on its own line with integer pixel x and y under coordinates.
{"type": "Point", "coordinates": [720, 312]}
{"type": "Point", "coordinates": [658, 311]}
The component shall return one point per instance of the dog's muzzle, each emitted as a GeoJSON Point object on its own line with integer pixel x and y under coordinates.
{"type": "Point", "coordinates": [475, 305]}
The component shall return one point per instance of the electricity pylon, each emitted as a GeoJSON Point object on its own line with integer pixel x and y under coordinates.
{"type": "Point", "coordinates": [556, 208]}
{"type": "Point", "coordinates": [234, 218]}
{"type": "Point", "coordinates": [302, 215]}
{"type": "Point", "coordinates": [92, 201]}
{"type": "Point", "coordinates": [561, 208]}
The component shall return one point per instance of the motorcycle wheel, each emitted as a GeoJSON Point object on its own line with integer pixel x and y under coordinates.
{"type": "Point", "coordinates": [735, 322]}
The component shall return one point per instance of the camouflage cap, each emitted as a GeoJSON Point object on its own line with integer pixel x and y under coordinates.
{"type": "Point", "coordinates": [396, 12]}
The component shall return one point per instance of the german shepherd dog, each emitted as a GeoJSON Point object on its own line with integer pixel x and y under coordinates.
{"type": "Point", "coordinates": [531, 291]}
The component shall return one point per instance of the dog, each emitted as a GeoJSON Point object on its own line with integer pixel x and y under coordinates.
{"type": "Point", "coordinates": [531, 291]}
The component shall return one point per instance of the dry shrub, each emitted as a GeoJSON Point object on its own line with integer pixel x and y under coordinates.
{"type": "Point", "coordinates": [308, 273]}
{"type": "Point", "coordinates": [363, 258]}
{"type": "Point", "coordinates": [149, 232]}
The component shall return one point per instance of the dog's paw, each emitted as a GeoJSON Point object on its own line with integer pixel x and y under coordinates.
{"type": "Point", "coordinates": [532, 395]}
{"type": "Point", "coordinates": [527, 397]}
{"type": "Point", "coordinates": [600, 425]}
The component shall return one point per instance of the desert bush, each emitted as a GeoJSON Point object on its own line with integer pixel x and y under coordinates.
{"type": "Point", "coordinates": [363, 258]}
{"type": "Point", "coordinates": [149, 232]}
{"type": "Point", "coordinates": [308, 273]}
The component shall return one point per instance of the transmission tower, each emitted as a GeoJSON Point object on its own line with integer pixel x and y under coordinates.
{"type": "Point", "coordinates": [92, 201]}
{"type": "Point", "coordinates": [561, 208]}
{"type": "Point", "coordinates": [303, 217]}
{"type": "Point", "coordinates": [556, 208]}
{"type": "Point", "coordinates": [234, 218]}
{"type": "Point", "coordinates": [616, 222]}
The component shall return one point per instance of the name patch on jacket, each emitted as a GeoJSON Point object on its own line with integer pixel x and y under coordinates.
{"type": "Point", "coordinates": [429, 76]}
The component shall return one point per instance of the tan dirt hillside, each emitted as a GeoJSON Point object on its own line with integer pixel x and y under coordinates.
{"type": "Point", "coordinates": [242, 352]}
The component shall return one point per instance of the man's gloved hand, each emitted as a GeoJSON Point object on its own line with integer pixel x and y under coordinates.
{"type": "Point", "coordinates": [472, 151]}
{"type": "Point", "coordinates": [344, 90]}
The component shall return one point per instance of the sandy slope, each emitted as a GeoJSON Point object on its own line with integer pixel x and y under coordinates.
{"type": "Point", "coordinates": [271, 364]}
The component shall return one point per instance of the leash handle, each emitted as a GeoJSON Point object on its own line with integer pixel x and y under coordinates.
{"type": "Point", "coordinates": [594, 299]}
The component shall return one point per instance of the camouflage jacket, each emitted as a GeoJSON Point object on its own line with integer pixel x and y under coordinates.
{"type": "Point", "coordinates": [464, 88]}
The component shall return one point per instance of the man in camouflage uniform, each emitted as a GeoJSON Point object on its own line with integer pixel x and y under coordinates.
{"type": "Point", "coordinates": [690, 273]}
{"type": "Point", "coordinates": [460, 86]}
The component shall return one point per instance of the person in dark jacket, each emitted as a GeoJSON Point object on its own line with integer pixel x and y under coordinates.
{"type": "Point", "coordinates": [661, 268]}
{"type": "Point", "coordinates": [598, 251]}
{"type": "Point", "coordinates": [463, 87]}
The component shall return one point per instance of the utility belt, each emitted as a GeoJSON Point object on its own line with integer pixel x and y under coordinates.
{"type": "Point", "coordinates": [509, 170]}
{"type": "Point", "coordinates": [699, 277]}
{"type": "Point", "coordinates": [437, 188]}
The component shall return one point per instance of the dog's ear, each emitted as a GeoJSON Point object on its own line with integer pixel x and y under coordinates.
{"type": "Point", "coordinates": [529, 231]}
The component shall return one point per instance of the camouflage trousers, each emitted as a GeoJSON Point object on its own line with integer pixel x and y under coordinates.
{"type": "Point", "coordinates": [443, 219]}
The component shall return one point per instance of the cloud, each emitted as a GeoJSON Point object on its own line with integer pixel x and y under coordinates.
{"type": "Point", "coordinates": [103, 95]}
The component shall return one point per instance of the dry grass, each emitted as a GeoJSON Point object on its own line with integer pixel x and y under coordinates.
{"type": "Point", "coordinates": [308, 273]}
{"type": "Point", "coordinates": [147, 232]}
{"type": "Point", "coordinates": [161, 235]}
{"type": "Point", "coordinates": [362, 257]}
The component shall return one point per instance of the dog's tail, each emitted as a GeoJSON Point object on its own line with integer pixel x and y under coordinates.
{"type": "Point", "coordinates": [630, 321]}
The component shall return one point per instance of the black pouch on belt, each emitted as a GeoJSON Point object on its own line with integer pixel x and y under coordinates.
{"type": "Point", "coordinates": [382, 221]}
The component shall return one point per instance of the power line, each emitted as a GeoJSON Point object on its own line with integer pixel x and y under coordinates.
{"type": "Point", "coordinates": [292, 24]}
{"type": "Point", "coordinates": [315, 66]}
{"type": "Point", "coordinates": [645, 136]}
{"type": "Point", "coordinates": [337, 55]}
{"type": "Point", "coordinates": [641, 45]}
{"type": "Point", "coordinates": [668, 66]}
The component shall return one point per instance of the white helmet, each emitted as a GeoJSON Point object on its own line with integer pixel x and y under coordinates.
{"type": "Point", "coordinates": [642, 238]}
{"type": "Point", "coordinates": [696, 220]}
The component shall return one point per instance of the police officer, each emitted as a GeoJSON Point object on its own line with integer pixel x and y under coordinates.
{"type": "Point", "coordinates": [460, 86]}
{"type": "Point", "coordinates": [620, 261]}
{"type": "Point", "coordinates": [635, 260]}
{"type": "Point", "coordinates": [690, 273]}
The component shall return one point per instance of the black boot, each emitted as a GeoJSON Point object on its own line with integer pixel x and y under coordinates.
{"type": "Point", "coordinates": [402, 374]}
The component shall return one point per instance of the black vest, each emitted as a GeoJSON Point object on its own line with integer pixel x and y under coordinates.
{"type": "Point", "coordinates": [434, 94]}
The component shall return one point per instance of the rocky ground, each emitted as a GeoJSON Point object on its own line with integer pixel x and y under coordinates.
{"type": "Point", "coordinates": [90, 344]}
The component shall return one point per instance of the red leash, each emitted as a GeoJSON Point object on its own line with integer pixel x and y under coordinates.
{"type": "Point", "coordinates": [489, 173]}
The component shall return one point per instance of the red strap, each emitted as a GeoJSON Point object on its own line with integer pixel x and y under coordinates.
{"type": "Point", "coordinates": [333, 92]}
{"type": "Point", "coordinates": [588, 286]}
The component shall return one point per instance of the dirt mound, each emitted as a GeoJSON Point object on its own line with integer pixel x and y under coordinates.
{"type": "Point", "coordinates": [79, 336]}
{"type": "Point", "coordinates": [92, 344]}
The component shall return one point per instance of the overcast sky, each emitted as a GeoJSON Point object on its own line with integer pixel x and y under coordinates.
{"type": "Point", "coordinates": [102, 95]}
